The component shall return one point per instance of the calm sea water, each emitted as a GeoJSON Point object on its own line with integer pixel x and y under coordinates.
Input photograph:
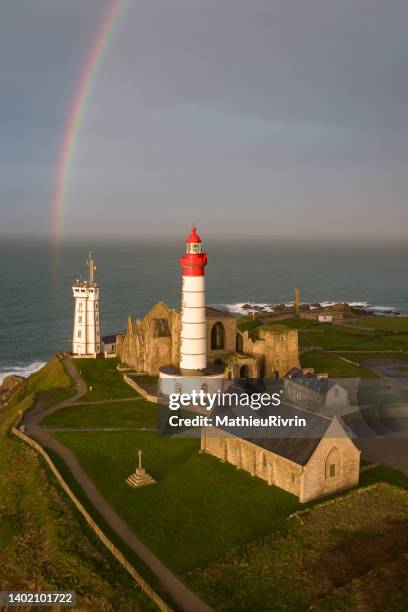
{"type": "Point", "coordinates": [36, 305]}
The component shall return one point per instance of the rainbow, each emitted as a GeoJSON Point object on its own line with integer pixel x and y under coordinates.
{"type": "Point", "coordinates": [76, 112]}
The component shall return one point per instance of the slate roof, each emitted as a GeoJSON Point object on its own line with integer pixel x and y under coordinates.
{"type": "Point", "coordinates": [321, 385]}
{"type": "Point", "coordinates": [280, 440]}
{"type": "Point", "coordinates": [109, 339]}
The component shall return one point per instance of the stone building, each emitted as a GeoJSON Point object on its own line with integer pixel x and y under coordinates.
{"type": "Point", "coordinates": [307, 467]}
{"type": "Point", "coordinates": [154, 342]}
{"type": "Point", "coordinates": [317, 392]}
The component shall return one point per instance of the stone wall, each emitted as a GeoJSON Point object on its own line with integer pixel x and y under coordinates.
{"type": "Point", "coordinates": [230, 333]}
{"type": "Point", "coordinates": [276, 348]}
{"type": "Point", "coordinates": [152, 342]}
{"type": "Point", "coordinates": [311, 481]}
{"type": "Point", "coordinates": [272, 468]}
{"type": "Point", "coordinates": [316, 479]}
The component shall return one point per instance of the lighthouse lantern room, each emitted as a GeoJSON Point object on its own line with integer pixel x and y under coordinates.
{"type": "Point", "coordinates": [86, 338]}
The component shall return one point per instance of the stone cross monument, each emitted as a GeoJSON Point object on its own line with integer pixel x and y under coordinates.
{"type": "Point", "coordinates": [140, 478]}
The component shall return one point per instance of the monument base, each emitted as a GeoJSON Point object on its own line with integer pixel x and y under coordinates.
{"type": "Point", "coordinates": [140, 478]}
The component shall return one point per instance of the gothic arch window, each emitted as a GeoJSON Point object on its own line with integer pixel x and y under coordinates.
{"type": "Point", "coordinates": [244, 372]}
{"type": "Point", "coordinates": [217, 336]}
{"type": "Point", "coordinates": [332, 467]}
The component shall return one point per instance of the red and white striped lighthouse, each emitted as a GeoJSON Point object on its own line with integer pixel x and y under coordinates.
{"type": "Point", "coordinates": [193, 349]}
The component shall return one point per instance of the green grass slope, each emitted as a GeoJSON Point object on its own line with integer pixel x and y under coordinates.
{"type": "Point", "coordinates": [137, 413]}
{"type": "Point", "coordinates": [399, 324]}
{"type": "Point", "coordinates": [335, 367]}
{"type": "Point", "coordinates": [199, 508]}
{"type": "Point", "coordinates": [44, 545]}
{"type": "Point", "coordinates": [348, 554]}
{"type": "Point", "coordinates": [104, 378]}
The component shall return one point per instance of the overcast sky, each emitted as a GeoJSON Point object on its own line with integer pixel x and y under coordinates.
{"type": "Point", "coordinates": [275, 117]}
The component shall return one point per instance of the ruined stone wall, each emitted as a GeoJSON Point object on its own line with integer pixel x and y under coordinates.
{"type": "Point", "coordinates": [119, 345]}
{"type": "Point", "coordinates": [280, 349]}
{"type": "Point", "coordinates": [152, 342]}
{"type": "Point", "coordinates": [276, 350]}
{"type": "Point", "coordinates": [230, 333]}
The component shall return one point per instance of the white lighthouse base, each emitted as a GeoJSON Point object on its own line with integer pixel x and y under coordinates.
{"type": "Point", "coordinates": [175, 380]}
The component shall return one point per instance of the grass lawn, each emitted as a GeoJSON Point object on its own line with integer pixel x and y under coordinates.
{"type": "Point", "coordinates": [52, 382]}
{"type": "Point", "coordinates": [199, 509]}
{"type": "Point", "coordinates": [361, 357]}
{"type": "Point", "coordinates": [337, 338]}
{"type": "Point", "coordinates": [346, 555]}
{"type": "Point", "coordinates": [137, 413]}
{"type": "Point", "coordinates": [298, 323]}
{"type": "Point", "coordinates": [399, 324]}
{"type": "Point", "coordinates": [106, 381]}
{"type": "Point", "coordinates": [336, 368]}
{"type": "Point", "coordinates": [43, 542]}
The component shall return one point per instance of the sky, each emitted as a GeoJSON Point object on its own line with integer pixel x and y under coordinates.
{"type": "Point", "coordinates": [250, 118]}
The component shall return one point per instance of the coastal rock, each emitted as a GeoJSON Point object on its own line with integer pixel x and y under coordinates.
{"type": "Point", "coordinates": [10, 384]}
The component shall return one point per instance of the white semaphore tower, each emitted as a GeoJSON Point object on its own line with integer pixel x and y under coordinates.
{"type": "Point", "coordinates": [86, 339]}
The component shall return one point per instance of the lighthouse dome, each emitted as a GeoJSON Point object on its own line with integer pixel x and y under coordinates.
{"type": "Point", "coordinates": [193, 237]}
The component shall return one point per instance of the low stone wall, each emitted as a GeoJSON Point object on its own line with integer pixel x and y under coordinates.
{"type": "Point", "coordinates": [131, 381]}
{"type": "Point", "coordinates": [145, 587]}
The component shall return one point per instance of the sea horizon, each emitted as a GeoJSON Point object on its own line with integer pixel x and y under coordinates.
{"type": "Point", "coordinates": [36, 303]}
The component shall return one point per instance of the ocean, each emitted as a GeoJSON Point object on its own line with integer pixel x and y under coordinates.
{"type": "Point", "coordinates": [36, 304]}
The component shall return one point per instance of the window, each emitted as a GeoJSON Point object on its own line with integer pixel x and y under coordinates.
{"type": "Point", "coordinates": [96, 305]}
{"type": "Point", "coordinates": [194, 247]}
{"type": "Point", "coordinates": [335, 393]}
{"type": "Point", "coordinates": [80, 319]}
{"type": "Point", "coordinates": [333, 463]}
{"type": "Point", "coordinates": [79, 334]}
{"type": "Point", "coordinates": [80, 307]}
{"type": "Point", "coordinates": [217, 336]}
